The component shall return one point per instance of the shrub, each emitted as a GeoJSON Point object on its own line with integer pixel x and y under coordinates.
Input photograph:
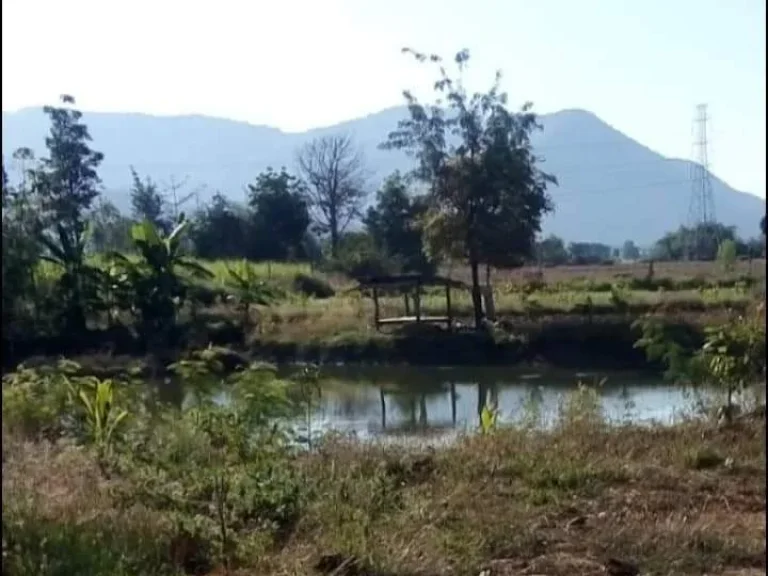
{"type": "Point", "coordinates": [313, 286]}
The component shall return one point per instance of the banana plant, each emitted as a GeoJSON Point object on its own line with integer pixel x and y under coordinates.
{"type": "Point", "coordinates": [159, 280]}
{"type": "Point", "coordinates": [77, 286]}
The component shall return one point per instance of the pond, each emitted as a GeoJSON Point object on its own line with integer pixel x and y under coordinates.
{"type": "Point", "coordinates": [437, 404]}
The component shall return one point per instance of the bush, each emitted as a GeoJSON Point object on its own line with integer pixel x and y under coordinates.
{"type": "Point", "coordinates": [313, 286]}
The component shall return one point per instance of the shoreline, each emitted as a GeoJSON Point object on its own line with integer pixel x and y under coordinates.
{"type": "Point", "coordinates": [609, 344]}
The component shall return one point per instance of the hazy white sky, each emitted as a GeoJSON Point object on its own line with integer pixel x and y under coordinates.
{"type": "Point", "coordinates": [641, 65]}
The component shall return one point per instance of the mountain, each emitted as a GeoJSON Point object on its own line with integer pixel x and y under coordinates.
{"type": "Point", "coordinates": [611, 188]}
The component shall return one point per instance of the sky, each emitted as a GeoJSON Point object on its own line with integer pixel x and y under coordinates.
{"type": "Point", "coordinates": [640, 65]}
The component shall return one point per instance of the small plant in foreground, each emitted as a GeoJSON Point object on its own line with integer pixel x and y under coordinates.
{"type": "Point", "coordinates": [101, 416]}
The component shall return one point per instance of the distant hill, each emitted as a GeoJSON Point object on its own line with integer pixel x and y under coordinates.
{"type": "Point", "coordinates": [611, 187]}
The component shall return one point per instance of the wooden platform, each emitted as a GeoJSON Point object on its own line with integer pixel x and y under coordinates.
{"type": "Point", "coordinates": [414, 320]}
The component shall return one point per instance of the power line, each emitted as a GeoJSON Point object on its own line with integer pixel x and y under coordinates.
{"type": "Point", "coordinates": [701, 214]}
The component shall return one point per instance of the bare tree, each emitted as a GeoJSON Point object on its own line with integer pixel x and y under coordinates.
{"type": "Point", "coordinates": [333, 169]}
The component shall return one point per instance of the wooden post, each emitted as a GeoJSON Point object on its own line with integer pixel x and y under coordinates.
{"type": "Point", "coordinates": [376, 307]}
{"type": "Point", "coordinates": [407, 303]}
{"type": "Point", "coordinates": [454, 400]}
{"type": "Point", "coordinates": [448, 305]}
{"type": "Point", "coordinates": [383, 409]}
{"type": "Point", "coordinates": [417, 300]}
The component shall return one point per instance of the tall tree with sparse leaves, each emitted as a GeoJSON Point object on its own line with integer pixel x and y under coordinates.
{"type": "Point", "coordinates": [334, 171]}
{"type": "Point", "coordinates": [486, 188]}
{"type": "Point", "coordinates": [66, 184]}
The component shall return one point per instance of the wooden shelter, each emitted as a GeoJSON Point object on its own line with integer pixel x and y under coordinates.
{"type": "Point", "coordinates": [410, 286]}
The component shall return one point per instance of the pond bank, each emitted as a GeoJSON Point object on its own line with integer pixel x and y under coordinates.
{"type": "Point", "coordinates": [569, 344]}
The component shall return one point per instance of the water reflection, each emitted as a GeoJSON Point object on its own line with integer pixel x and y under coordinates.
{"type": "Point", "coordinates": [440, 403]}
{"type": "Point", "coordinates": [371, 402]}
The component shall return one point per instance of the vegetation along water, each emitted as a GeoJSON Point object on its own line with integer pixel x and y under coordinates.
{"type": "Point", "coordinates": [219, 393]}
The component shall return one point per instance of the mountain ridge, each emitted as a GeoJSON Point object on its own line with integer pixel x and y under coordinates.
{"type": "Point", "coordinates": [612, 187]}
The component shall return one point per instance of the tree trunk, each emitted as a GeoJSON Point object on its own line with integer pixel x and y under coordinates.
{"type": "Point", "coordinates": [477, 299]}
{"type": "Point", "coordinates": [333, 225]}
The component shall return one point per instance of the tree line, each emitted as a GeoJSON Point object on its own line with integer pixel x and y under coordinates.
{"type": "Point", "coordinates": [483, 200]}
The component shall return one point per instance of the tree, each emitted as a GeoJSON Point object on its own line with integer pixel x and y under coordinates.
{"type": "Point", "coordinates": [280, 215]}
{"type": "Point", "coordinates": [394, 224]}
{"type": "Point", "coordinates": [220, 230]}
{"type": "Point", "coordinates": [66, 183]}
{"type": "Point", "coordinates": [20, 251]}
{"type": "Point", "coordinates": [147, 203]}
{"type": "Point", "coordinates": [552, 251]}
{"type": "Point", "coordinates": [486, 188]}
{"type": "Point", "coordinates": [762, 225]}
{"type": "Point", "coordinates": [334, 172]}
{"type": "Point", "coordinates": [700, 242]}
{"type": "Point", "coordinates": [629, 251]}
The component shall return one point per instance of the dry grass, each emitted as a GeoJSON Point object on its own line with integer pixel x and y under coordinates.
{"type": "Point", "coordinates": [514, 502]}
{"type": "Point", "coordinates": [608, 273]}
{"type": "Point", "coordinates": [351, 317]}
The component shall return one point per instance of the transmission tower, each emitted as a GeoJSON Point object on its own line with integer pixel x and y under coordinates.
{"type": "Point", "coordinates": [701, 214]}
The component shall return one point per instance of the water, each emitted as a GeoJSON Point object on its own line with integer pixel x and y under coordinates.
{"type": "Point", "coordinates": [438, 404]}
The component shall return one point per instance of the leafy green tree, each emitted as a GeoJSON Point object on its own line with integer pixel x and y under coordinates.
{"type": "Point", "coordinates": [551, 251]}
{"type": "Point", "coordinates": [280, 215]}
{"type": "Point", "coordinates": [700, 242]}
{"type": "Point", "coordinates": [589, 252]}
{"type": "Point", "coordinates": [334, 172]}
{"type": "Point", "coordinates": [20, 252]}
{"type": "Point", "coordinates": [147, 203]}
{"type": "Point", "coordinates": [477, 159]}
{"type": "Point", "coordinates": [66, 183]}
{"type": "Point", "coordinates": [629, 251]}
{"type": "Point", "coordinates": [394, 224]}
{"type": "Point", "coordinates": [220, 230]}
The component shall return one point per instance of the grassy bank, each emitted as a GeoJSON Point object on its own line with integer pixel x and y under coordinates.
{"type": "Point", "coordinates": [570, 317]}
{"type": "Point", "coordinates": [607, 342]}
{"type": "Point", "coordinates": [683, 500]}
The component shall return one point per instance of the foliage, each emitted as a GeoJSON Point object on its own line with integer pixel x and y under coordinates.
{"type": "Point", "coordinates": [221, 230]}
{"type": "Point", "coordinates": [358, 257]}
{"type": "Point", "coordinates": [333, 170]}
{"type": "Point", "coordinates": [313, 286]}
{"type": "Point", "coordinates": [629, 251]}
{"type": "Point", "coordinates": [733, 355]}
{"type": "Point", "coordinates": [147, 203]}
{"type": "Point", "coordinates": [726, 255]}
{"type": "Point", "coordinates": [487, 188]}
{"type": "Point", "coordinates": [552, 251]}
{"type": "Point", "coordinates": [102, 417]}
{"type": "Point", "coordinates": [20, 252]}
{"type": "Point", "coordinates": [66, 184]}
{"type": "Point", "coordinates": [589, 252]}
{"type": "Point", "coordinates": [222, 472]}
{"type": "Point", "coordinates": [697, 243]}
{"type": "Point", "coordinates": [394, 225]}
{"type": "Point", "coordinates": [154, 287]}
{"type": "Point", "coordinates": [249, 288]}
{"type": "Point", "coordinates": [280, 215]}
